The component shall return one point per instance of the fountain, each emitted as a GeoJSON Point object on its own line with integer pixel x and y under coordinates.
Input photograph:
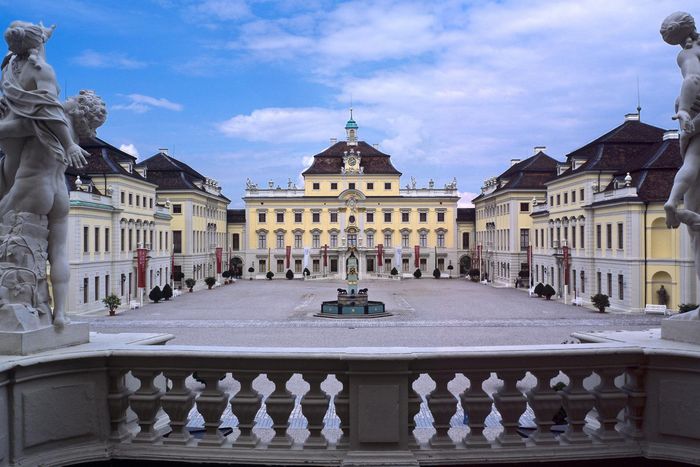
{"type": "Point", "coordinates": [352, 302]}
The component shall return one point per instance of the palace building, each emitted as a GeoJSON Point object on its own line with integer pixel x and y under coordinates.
{"type": "Point", "coordinates": [351, 197]}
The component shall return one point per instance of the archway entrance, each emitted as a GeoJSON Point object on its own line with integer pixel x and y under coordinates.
{"type": "Point", "coordinates": [236, 267]}
{"type": "Point", "coordinates": [465, 264]}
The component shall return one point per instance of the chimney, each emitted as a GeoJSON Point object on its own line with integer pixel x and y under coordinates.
{"type": "Point", "coordinates": [514, 161]}
{"type": "Point", "coordinates": [670, 134]}
{"type": "Point", "coordinates": [375, 145]}
{"type": "Point", "coordinates": [163, 150]}
{"type": "Point", "coordinates": [334, 141]}
{"type": "Point", "coordinates": [632, 117]}
{"type": "Point", "coordinates": [539, 149]}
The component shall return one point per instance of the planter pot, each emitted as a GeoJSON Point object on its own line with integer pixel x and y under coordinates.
{"type": "Point", "coordinates": [190, 290]}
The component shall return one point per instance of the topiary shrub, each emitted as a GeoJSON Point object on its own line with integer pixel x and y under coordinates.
{"type": "Point", "coordinates": [394, 272]}
{"type": "Point", "coordinates": [307, 272]}
{"type": "Point", "coordinates": [251, 270]}
{"type": "Point", "coordinates": [548, 291]}
{"type": "Point", "coordinates": [417, 273]}
{"type": "Point", "coordinates": [524, 274]}
{"type": "Point", "coordinates": [600, 301]}
{"type": "Point", "coordinates": [226, 274]}
{"type": "Point", "coordinates": [167, 292]}
{"type": "Point", "coordinates": [190, 283]}
{"type": "Point", "coordinates": [539, 289]}
{"type": "Point", "coordinates": [112, 302]}
{"type": "Point", "coordinates": [290, 274]}
{"type": "Point", "coordinates": [210, 281]}
{"type": "Point", "coordinates": [436, 273]}
{"type": "Point", "coordinates": [474, 274]}
{"type": "Point", "coordinates": [178, 276]}
{"type": "Point", "coordinates": [686, 307]}
{"type": "Point", "coordinates": [270, 275]}
{"type": "Point", "coordinates": [156, 294]}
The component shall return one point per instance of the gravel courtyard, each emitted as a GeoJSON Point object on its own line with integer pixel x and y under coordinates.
{"type": "Point", "coordinates": [426, 313]}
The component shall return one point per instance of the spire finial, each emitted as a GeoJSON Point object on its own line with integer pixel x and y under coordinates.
{"type": "Point", "coordinates": [639, 101]}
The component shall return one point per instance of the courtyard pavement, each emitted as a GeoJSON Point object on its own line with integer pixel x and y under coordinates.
{"type": "Point", "coordinates": [425, 313]}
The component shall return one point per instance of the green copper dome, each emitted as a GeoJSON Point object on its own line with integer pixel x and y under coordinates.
{"type": "Point", "coordinates": [351, 125]}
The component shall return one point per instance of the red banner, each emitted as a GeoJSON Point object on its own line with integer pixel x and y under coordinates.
{"type": "Point", "coordinates": [566, 265]}
{"type": "Point", "coordinates": [219, 252]}
{"type": "Point", "coordinates": [288, 254]}
{"type": "Point", "coordinates": [380, 250]}
{"type": "Point", "coordinates": [416, 253]}
{"type": "Point", "coordinates": [325, 256]}
{"type": "Point", "coordinates": [141, 258]}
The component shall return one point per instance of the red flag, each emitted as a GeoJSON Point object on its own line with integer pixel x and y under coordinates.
{"type": "Point", "coordinates": [566, 265]}
{"type": "Point", "coordinates": [288, 252]}
{"type": "Point", "coordinates": [416, 253]}
{"type": "Point", "coordinates": [219, 251]}
{"type": "Point", "coordinates": [325, 256]}
{"type": "Point", "coordinates": [380, 250]}
{"type": "Point", "coordinates": [141, 257]}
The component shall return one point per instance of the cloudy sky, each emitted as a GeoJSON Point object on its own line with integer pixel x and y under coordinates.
{"type": "Point", "coordinates": [252, 88]}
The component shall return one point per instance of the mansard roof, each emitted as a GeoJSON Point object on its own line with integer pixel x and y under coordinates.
{"type": "Point", "coordinates": [330, 161]}
{"type": "Point", "coordinates": [235, 216]}
{"type": "Point", "coordinates": [104, 159]}
{"type": "Point", "coordinates": [528, 174]}
{"type": "Point", "coordinates": [466, 214]}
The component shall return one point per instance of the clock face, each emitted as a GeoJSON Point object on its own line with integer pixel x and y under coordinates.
{"type": "Point", "coordinates": [352, 161]}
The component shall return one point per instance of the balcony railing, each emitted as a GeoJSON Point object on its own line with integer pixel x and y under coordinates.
{"type": "Point", "coordinates": [324, 406]}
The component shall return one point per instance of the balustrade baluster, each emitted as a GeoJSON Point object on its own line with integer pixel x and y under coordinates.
{"type": "Point", "coordinates": [609, 401]}
{"type": "Point", "coordinates": [477, 405]}
{"type": "Point", "coordinates": [342, 410]}
{"type": "Point", "coordinates": [314, 406]}
{"type": "Point", "coordinates": [442, 405]}
{"type": "Point", "coordinates": [545, 403]}
{"type": "Point", "coordinates": [636, 401]}
{"type": "Point", "coordinates": [577, 402]}
{"type": "Point", "coordinates": [245, 405]}
{"type": "Point", "coordinates": [177, 403]}
{"type": "Point", "coordinates": [414, 401]}
{"type": "Point", "coordinates": [280, 405]}
{"type": "Point", "coordinates": [211, 403]}
{"type": "Point", "coordinates": [511, 404]}
{"type": "Point", "coordinates": [145, 402]}
{"type": "Point", "coordinates": [118, 403]}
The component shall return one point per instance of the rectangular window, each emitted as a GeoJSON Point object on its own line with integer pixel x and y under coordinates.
{"type": "Point", "coordinates": [524, 239]}
{"type": "Point", "coordinates": [609, 285]}
{"type": "Point", "coordinates": [387, 185]}
{"type": "Point", "coordinates": [97, 288]}
{"type": "Point", "coordinates": [608, 236]}
{"type": "Point", "coordinates": [370, 217]}
{"type": "Point", "coordinates": [423, 264]}
{"type": "Point", "coordinates": [370, 186]}
{"type": "Point", "coordinates": [334, 265]}
{"type": "Point", "coordinates": [297, 217]}
{"type": "Point", "coordinates": [441, 264]}
{"type": "Point", "coordinates": [387, 217]}
{"type": "Point", "coordinates": [598, 236]}
{"type": "Point", "coordinates": [316, 217]}
{"type": "Point", "coordinates": [404, 239]}
{"type": "Point", "coordinates": [351, 186]}
{"type": "Point", "coordinates": [404, 217]}
{"type": "Point", "coordinates": [387, 240]}
{"type": "Point", "coordinates": [316, 240]}
{"type": "Point", "coordinates": [131, 240]}
{"type": "Point", "coordinates": [138, 200]}
{"type": "Point", "coordinates": [280, 240]}
{"type": "Point", "coordinates": [262, 265]}
{"type": "Point", "coordinates": [86, 239]}
{"type": "Point", "coordinates": [107, 239]}
{"type": "Point", "coordinates": [97, 239]}
{"type": "Point", "coordinates": [370, 264]}
{"type": "Point", "coordinates": [334, 217]}
{"type": "Point", "coordinates": [524, 207]}
{"type": "Point", "coordinates": [177, 241]}
{"type": "Point", "coordinates": [86, 289]}
{"type": "Point", "coordinates": [123, 194]}
{"type": "Point", "coordinates": [122, 243]}
{"type": "Point", "coordinates": [573, 196]}
{"type": "Point", "coordinates": [352, 239]}
{"type": "Point", "coordinates": [262, 241]}
{"type": "Point", "coordinates": [582, 194]}
{"type": "Point", "coordinates": [316, 186]}
{"type": "Point", "coordinates": [297, 266]}
{"type": "Point", "coordinates": [551, 200]}
{"type": "Point", "coordinates": [441, 216]}
{"type": "Point", "coordinates": [297, 240]}
{"type": "Point", "coordinates": [620, 287]}
{"type": "Point", "coordinates": [334, 186]}
{"type": "Point", "coordinates": [166, 241]}
{"type": "Point", "coordinates": [573, 236]}
{"type": "Point", "coordinates": [150, 203]}
{"type": "Point", "coordinates": [334, 240]}
{"type": "Point", "coordinates": [537, 238]}
{"type": "Point", "coordinates": [558, 200]}
{"type": "Point", "coordinates": [280, 217]}
{"type": "Point", "coordinates": [262, 217]}
{"type": "Point", "coordinates": [620, 236]}
{"type": "Point", "coordinates": [316, 265]}
{"type": "Point", "coordinates": [423, 239]}
{"type": "Point", "coordinates": [370, 240]}
{"type": "Point", "coordinates": [441, 239]}
{"type": "Point", "coordinates": [597, 280]}
{"type": "Point", "coordinates": [566, 198]}
{"type": "Point", "coordinates": [280, 265]}
{"type": "Point", "coordinates": [404, 264]}
{"type": "Point", "coordinates": [583, 282]}
{"type": "Point", "coordinates": [465, 240]}
{"type": "Point", "coordinates": [423, 216]}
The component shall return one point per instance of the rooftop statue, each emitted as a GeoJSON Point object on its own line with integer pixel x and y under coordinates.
{"type": "Point", "coordinates": [679, 29]}
{"type": "Point", "coordinates": [39, 136]}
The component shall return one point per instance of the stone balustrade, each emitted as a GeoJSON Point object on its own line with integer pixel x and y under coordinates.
{"type": "Point", "coordinates": [347, 406]}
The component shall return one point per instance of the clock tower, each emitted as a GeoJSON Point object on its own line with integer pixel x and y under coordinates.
{"type": "Point", "coordinates": [351, 161]}
{"type": "Point", "coordinates": [351, 130]}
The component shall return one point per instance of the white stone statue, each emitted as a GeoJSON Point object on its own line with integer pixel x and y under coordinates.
{"type": "Point", "coordinates": [679, 29]}
{"type": "Point", "coordinates": [39, 137]}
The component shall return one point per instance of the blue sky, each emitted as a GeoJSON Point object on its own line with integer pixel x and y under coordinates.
{"type": "Point", "coordinates": [251, 89]}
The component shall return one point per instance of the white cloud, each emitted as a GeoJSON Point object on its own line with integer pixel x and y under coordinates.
{"type": "Point", "coordinates": [92, 59]}
{"type": "Point", "coordinates": [129, 149]}
{"type": "Point", "coordinates": [139, 103]}
{"type": "Point", "coordinates": [465, 199]}
{"type": "Point", "coordinates": [221, 10]}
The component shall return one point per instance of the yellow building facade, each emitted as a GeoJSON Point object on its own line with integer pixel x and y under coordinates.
{"type": "Point", "coordinates": [351, 198]}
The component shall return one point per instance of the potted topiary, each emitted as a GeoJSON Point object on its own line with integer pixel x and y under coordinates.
{"type": "Point", "coordinates": [394, 272]}
{"type": "Point", "coordinates": [210, 281]}
{"type": "Point", "coordinates": [270, 275]}
{"type": "Point", "coordinates": [474, 274]}
{"type": "Point", "coordinates": [167, 292]}
{"type": "Point", "coordinates": [600, 301]}
{"type": "Point", "coordinates": [417, 273]}
{"type": "Point", "coordinates": [548, 291]}
{"type": "Point", "coordinates": [290, 274]}
{"type": "Point", "coordinates": [226, 275]}
{"type": "Point", "coordinates": [436, 273]}
{"type": "Point", "coordinates": [450, 268]}
{"type": "Point", "coordinates": [251, 270]}
{"type": "Point", "coordinates": [112, 302]}
{"type": "Point", "coordinates": [190, 283]}
{"type": "Point", "coordinates": [307, 273]}
{"type": "Point", "coordinates": [539, 289]}
{"type": "Point", "coordinates": [156, 294]}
